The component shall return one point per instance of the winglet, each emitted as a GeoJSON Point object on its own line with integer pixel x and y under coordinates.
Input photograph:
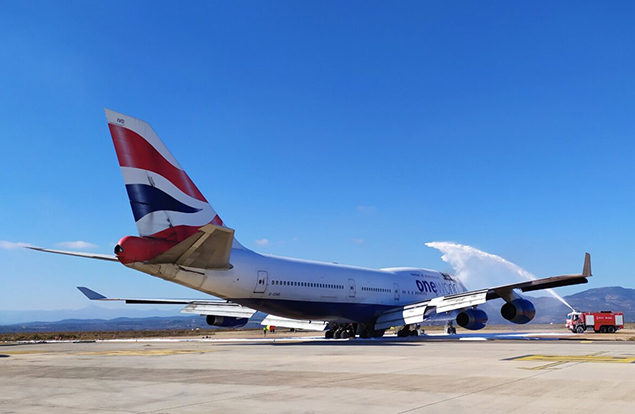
{"type": "Point", "coordinates": [91, 294]}
{"type": "Point", "coordinates": [586, 270]}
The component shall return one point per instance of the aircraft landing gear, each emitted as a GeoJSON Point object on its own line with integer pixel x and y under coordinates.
{"type": "Point", "coordinates": [449, 328]}
{"type": "Point", "coordinates": [406, 331]}
{"type": "Point", "coordinates": [350, 330]}
{"type": "Point", "coordinates": [344, 331]}
{"type": "Point", "coordinates": [365, 332]}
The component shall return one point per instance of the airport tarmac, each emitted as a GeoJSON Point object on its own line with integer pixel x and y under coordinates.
{"type": "Point", "coordinates": [434, 374]}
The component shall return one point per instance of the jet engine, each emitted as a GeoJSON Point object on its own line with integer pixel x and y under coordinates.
{"type": "Point", "coordinates": [519, 311]}
{"type": "Point", "coordinates": [225, 321]}
{"type": "Point", "coordinates": [473, 319]}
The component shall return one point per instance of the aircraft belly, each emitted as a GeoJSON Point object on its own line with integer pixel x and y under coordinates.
{"type": "Point", "coordinates": [327, 311]}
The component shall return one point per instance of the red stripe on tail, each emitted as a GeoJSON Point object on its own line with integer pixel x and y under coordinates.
{"type": "Point", "coordinates": [132, 249]}
{"type": "Point", "coordinates": [134, 151]}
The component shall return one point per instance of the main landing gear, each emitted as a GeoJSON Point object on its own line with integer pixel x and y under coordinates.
{"type": "Point", "coordinates": [449, 328]}
{"type": "Point", "coordinates": [341, 331]}
{"type": "Point", "coordinates": [408, 330]}
{"type": "Point", "coordinates": [350, 330]}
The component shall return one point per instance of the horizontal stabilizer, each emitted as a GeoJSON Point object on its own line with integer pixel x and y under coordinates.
{"type": "Point", "coordinates": [208, 248]}
{"type": "Point", "coordinates": [108, 257]}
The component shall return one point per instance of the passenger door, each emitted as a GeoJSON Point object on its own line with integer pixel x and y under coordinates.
{"type": "Point", "coordinates": [351, 288]}
{"type": "Point", "coordinates": [261, 283]}
{"type": "Point", "coordinates": [395, 287]}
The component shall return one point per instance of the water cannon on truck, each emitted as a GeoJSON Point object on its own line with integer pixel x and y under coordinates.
{"type": "Point", "coordinates": [600, 322]}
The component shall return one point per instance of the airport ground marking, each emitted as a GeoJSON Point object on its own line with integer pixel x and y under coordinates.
{"type": "Point", "coordinates": [28, 352]}
{"type": "Point", "coordinates": [576, 358]}
{"type": "Point", "coordinates": [551, 365]}
{"type": "Point", "coordinates": [147, 352]}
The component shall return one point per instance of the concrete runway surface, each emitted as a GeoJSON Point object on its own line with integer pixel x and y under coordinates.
{"type": "Point", "coordinates": [304, 375]}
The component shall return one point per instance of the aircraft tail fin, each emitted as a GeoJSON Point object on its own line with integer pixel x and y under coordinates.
{"type": "Point", "coordinates": [166, 204]}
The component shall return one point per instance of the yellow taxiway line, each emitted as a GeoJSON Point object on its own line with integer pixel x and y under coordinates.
{"type": "Point", "coordinates": [576, 358]}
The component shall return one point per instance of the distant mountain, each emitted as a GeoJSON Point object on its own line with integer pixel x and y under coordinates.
{"type": "Point", "coordinates": [89, 312]}
{"type": "Point", "coordinates": [551, 310]}
{"type": "Point", "coordinates": [117, 324]}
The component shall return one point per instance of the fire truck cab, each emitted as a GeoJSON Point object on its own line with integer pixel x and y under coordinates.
{"type": "Point", "coordinates": [600, 322]}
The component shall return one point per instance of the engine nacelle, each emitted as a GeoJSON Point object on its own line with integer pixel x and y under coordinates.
{"type": "Point", "coordinates": [473, 319]}
{"type": "Point", "coordinates": [518, 311]}
{"type": "Point", "coordinates": [226, 321]}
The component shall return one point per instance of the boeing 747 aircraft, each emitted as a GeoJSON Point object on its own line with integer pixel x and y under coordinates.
{"type": "Point", "coordinates": [183, 240]}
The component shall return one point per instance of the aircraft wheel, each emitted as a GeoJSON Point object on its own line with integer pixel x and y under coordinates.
{"type": "Point", "coordinates": [579, 329]}
{"type": "Point", "coordinates": [329, 334]}
{"type": "Point", "coordinates": [453, 330]}
{"type": "Point", "coordinates": [377, 334]}
{"type": "Point", "coordinates": [610, 329]}
{"type": "Point", "coordinates": [337, 334]}
{"type": "Point", "coordinates": [413, 333]}
{"type": "Point", "coordinates": [345, 335]}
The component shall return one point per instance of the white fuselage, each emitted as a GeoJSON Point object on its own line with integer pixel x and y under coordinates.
{"type": "Point", "coordinates": [304, 289]}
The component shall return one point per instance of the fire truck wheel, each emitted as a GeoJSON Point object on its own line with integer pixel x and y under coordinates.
{"type": "Point", "coordinates": [602, 329]}
{"type": "Point", "coordinates": [579, 329]}
{"type": "Point", "coordinates": [610, 329]}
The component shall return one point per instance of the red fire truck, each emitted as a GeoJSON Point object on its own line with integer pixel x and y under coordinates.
{"type": "Point", "coordinates": [602, 322]}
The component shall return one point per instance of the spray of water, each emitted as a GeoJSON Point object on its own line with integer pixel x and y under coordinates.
{"type": "Point", "coordinates": [469, 261]}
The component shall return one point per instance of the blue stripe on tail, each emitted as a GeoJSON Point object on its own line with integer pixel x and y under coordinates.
{"type": "Point", "coordinates": [146, 199]}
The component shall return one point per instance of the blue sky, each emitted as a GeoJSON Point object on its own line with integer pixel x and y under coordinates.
{"type": "Point", "coordinates": [340, 131]}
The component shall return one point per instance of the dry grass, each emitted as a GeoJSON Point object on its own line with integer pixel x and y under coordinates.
{"type": "Point", "coordinates": [91, 336]}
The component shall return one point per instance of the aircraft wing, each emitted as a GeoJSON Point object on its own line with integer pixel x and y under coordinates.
{"type": "Point", "coordinates": [216, 308]}
{"type": "Point", "coordinates": [307, 325]}
{"type": "Point", "coordinates": [420, 311]}
{"type": "Point", "coordinates": [197, 306]}
{"type": "Point", "coordinates": [227, 309]}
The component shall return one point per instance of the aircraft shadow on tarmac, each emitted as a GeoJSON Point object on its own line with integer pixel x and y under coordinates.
{"type": "Point", "coordinates": [395, 341]}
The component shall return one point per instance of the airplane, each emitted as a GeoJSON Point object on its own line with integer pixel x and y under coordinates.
{"type": "Point", "coordinates": [183, 240]}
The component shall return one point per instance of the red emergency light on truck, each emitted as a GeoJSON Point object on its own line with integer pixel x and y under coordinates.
{"type": "Point", "coordinates": [602, 322]}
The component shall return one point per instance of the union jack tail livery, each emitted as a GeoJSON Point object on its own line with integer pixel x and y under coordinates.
{"type": "Point", "coordinates": [165, 202]}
